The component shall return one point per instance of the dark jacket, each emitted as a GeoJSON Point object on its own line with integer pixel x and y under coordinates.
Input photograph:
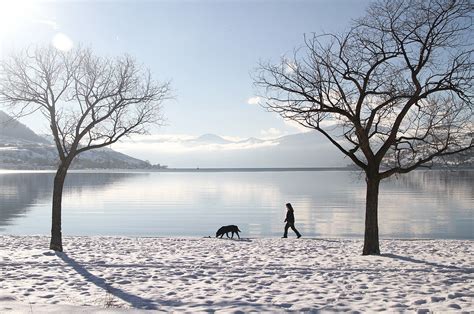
{"type": "Point", "coordinates": [290, 217]}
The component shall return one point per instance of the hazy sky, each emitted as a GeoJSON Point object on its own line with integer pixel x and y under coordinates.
{"type": "Point", "coordinates": [208, 49]}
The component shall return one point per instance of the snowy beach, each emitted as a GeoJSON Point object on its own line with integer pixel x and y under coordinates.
{"type": "Point", "coordinates": [97, 274]}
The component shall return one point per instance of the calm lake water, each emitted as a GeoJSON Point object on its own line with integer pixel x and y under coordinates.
{"type": "Point", "coordinates": [422, 204]}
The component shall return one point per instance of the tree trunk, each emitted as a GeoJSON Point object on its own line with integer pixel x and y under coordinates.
{"type": "Point", "coordinates": [371, 238]}
{"type": "Point", "coordinates": [56, 236]}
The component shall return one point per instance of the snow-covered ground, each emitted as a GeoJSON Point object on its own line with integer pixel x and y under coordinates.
{"type": "Point", "coordinates": [110, 274]}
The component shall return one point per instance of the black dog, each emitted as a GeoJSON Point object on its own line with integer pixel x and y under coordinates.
{"type": "Point", "coordinates": [226, 230]}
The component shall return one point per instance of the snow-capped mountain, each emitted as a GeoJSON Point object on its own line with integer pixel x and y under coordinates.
{"type": "Point", "coordinates": [213, 151]}
{"type": "Point", "coordinates": [310, 149]}
{"type": "Point", "coordinates": [209, 139]}
{"type": "Point", "coordinates": [12, 131]}
{"type": "Point", "coordinates": [21, 148]}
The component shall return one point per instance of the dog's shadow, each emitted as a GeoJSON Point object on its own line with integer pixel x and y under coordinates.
{"type": "Point", "coordinates": [230, 239]}
{"type": "Point", "coordinates": [240, 240]}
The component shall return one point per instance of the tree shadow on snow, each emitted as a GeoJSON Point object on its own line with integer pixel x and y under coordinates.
{"type": "Point", "coordinates": [135, 301]}
{"type": "Point", "coordinates": [432, 264]}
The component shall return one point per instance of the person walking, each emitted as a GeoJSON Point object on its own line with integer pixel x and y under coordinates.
{"type": "Point", "coordinates": [290, 221]}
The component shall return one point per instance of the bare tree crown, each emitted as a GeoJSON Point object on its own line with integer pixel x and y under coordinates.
{"type": "Point", "coordinates": [89, 101]}
{"type": "Point", "coordinates": [396, 89]}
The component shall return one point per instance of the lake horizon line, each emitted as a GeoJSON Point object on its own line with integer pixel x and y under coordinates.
{"type": "Point", "coordinates": [222, 169]}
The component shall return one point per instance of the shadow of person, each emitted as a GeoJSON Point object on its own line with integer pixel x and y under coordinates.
{"type": "Point", "coordinates": [135, 301]}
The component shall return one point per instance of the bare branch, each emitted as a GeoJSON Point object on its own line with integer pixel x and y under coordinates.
{"type": "Point", "coordinates": [398, 84]}
{"type": "Point", "coordinates": [89, 101]}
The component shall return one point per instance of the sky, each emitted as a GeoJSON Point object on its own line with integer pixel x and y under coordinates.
{"type": "Point", "coordinates": [207, 49]}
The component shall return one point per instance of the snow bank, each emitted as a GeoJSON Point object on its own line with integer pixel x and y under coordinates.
{"type": "Point", "coordinates": [110, 274]}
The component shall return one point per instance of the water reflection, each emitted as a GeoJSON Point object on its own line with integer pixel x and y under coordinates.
{"type": "Point", "coordinates": [20, 192]}
{"type": "Point", "coordinates": [431, 204]}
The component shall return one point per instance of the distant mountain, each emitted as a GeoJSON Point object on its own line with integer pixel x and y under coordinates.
{"type": "Point", "coordinates": [252, 140]}
{"type": "Point", "coordinates": [12, 131]}
{"type": "Point", "coordinates": [212, 151]}
{"type": "Point", "coordinates": [21, 148]}
{"type": "Point", "coordinates": [210, 139]}
{"type": "Point", "coordinates": [309, 149]}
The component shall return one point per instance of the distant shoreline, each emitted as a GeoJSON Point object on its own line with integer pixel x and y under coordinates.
{"type": "Point", "coordinates": [296, 169]}
{"type": "Point", "coordinates": [200, 170]}
{"type": "Point", "coordinates": [270, 169]}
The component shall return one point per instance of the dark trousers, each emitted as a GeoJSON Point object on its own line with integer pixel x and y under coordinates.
{"type": "Point", "coordinates": [292, 226]}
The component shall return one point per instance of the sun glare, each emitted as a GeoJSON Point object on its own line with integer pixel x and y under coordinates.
{"type": "Point", "coordinates": [62, 42]}
{"type": "Point", "coordinates": [16, 13]}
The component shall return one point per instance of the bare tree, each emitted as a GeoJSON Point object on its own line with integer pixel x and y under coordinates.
{"type": "Point", "coordinates": [393, 93]}
{"type": "Point", "coordinates": [88, 101]}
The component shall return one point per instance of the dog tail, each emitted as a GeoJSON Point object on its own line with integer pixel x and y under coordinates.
{"type": "Point", "coordinates": [238, 229]}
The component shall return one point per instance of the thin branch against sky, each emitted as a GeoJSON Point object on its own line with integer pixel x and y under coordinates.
{"type": "Point", "coordinates": [208, 49]}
